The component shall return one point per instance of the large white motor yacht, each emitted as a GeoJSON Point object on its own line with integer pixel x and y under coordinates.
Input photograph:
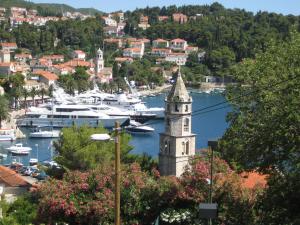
{"type": "Point", "coordinates": [67, 116]}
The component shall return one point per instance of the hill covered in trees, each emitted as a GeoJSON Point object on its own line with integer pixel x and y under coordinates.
{"type": "Point", "coordinates": [47, 9]}
{"type": "Point", "coordinates": [227, 35]}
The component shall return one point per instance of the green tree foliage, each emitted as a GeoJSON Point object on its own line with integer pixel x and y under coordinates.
{"type": "Point", "coordinates": [226, 35]}
{"type": "Point", "coordinates": [4, 109]}
{"type": "Point", "coordinates": [33, 93]}
{"type": "Point", "coordinates": [141, 72]}
{"type": "Point", "coordinates": [81, 79]}
{"type": "Point", "coordinates": [264, 127]}
{"type": "Point", "coordinates": [13, 86]}
{"type": "Point", "coordinates": [59, 37]}
{"type": "Point", "coordinates": [77, 151]}
{"type": "Point", "coordinates": [263, 131]}
{"type": "Point", "coordinates": [77, 81]}
{"type": "Point", "coordinates": [21, 211]}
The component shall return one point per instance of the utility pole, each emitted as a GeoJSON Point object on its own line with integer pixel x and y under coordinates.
{"type": "Point", "coordinates": [117, 173]}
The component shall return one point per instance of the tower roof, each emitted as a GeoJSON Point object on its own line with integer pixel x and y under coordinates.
{"type": "Point", "coordinates": [99, 50]}
{"type": "Point", "coordinates": [178, 92]}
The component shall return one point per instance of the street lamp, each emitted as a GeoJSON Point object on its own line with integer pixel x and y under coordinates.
{"type": "Point", "coordinates": [107, 137]}
{"type": "Point", "coordinates": [210, 210]}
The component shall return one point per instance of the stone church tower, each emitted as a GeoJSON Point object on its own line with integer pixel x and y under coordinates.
{"type": "Point", "coordinates": [99, 61]}
{"type": "Point", "coordinates": [177, 143]}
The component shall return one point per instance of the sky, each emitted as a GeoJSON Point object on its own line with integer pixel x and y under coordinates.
{"type": "Point", "coordinates": [278, 6]}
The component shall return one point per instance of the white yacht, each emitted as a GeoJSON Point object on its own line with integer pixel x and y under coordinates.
{"type": "Point", "coordinates": [7, 135]}
{"type": "Point", "coordinates": [136, 127]}
{"type": "Point", "coordinates": [39, 132]}
{"type": "Point", "coordinates": [68, 115]}
{"type": "Point", "coordinates": [19, 149]}
{"type": "Point", "coordinates": [141, 108]}
{"type": "Point", "coordinates": [116, 111]}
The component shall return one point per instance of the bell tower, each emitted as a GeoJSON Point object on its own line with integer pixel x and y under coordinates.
{"type": "Point", "coordinates": [177, 143]}
{"type": "Point", "coordinates": [99, 61]}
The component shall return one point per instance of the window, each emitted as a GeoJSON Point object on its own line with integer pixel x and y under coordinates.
{"type": "Point", "coordinates": [187, 147]}
{"type": "Point", "coordinates": [186, 108]}
{"type": "Point", "coordinates": [176, 108]}
{"type": "Point", "coordinates": [186, 124]}
{"type": "Point", "coordinates": [183, 148]}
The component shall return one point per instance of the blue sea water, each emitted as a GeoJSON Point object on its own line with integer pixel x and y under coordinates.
{"type": "Point", "coordinates": [206, 126]}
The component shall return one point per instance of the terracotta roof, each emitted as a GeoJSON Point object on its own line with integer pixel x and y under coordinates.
{"type": "Point", "coordinates": [9, 44]}
{"type": "Point", "coordinates": [5, 64]}
{"type": "Point", "coordinates": [144, 40]}
{"type": "Point", "coordinates": [178, 40]}
{"type": "Point", "coordinates": [79, 52]}
{"type": "Point", "coordinates": [160, 40]}
{"type": "Point", "coordinates": [123, 59]}
{"type": "Point", "coordinates": [24, 55]}
{"type": "Point", "coordinates": [46, 74]}
{"type": "Point", "coordinates": [161, 49]}
{"type": "Point", "coordinates": [253, 179]}
{"type": "Point", "coordinates": [74, 63]}
{"type": "Point", "coordinates": [11, 178]}
{"type": "Point", "coordinates": [132, 49]}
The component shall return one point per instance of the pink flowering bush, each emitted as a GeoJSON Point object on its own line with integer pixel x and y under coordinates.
{"type": "Point", "coordinates": [88, 197]}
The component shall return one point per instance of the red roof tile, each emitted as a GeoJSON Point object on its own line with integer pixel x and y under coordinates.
{"type": "Point", "coordinates": [11, 178]}
{"type": "Point", "coordinates": [46, 74]}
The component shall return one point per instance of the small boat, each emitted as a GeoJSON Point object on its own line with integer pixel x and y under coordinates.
{"type": "Point", "coordinates": [39, 133]}
{"type": "Point", "coordinates": [7, 135]}
{"type": "Point", "coordinates": [136, 127]}
{"type": "Point", "coordinates": [19, 149]}
{"type": "Point", "coordinates": [33, 161]}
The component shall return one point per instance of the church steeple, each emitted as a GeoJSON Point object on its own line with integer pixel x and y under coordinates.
{"type": "Point", "coordinates": [177, 143]}
{"type": "Point", "coordinates": [178, 90]}
{"type": "Point", "coordinates": [99, 61]}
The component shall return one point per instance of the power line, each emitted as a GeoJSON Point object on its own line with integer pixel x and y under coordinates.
{"type": "Point", "coordinates": [200, 110]}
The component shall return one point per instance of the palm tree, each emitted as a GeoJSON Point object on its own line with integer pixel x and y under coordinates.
{"type": "Point", "coordinates": [4, 109]}
{"type": "Point", "coordinates": [33, 93]}
{"type": "Point", "coordinates": [42, 93]}
{"type": "Point", "coordinates": [25, 94]}
{"type": "Point", "coordinates": [50, 91]}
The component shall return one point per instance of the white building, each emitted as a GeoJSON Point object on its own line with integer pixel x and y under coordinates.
{"type": "Point", "coordinates": [133, 52]}
{"type": "Point", "coordinates": [178, 58]}
{"type": "Point", "coordinates": [177, 143]}
{"type": "Point", "coordinates": [178, 44]}
{"type": "Point", "coordinates": [4, 56]}
{"type": "Point", "coordinates": [109, 21]}
{"type": "Point", "coordinates": [78, 54]}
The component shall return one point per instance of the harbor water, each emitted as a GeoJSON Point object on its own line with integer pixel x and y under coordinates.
{"type": "Point", "coordinates": [206, 126]}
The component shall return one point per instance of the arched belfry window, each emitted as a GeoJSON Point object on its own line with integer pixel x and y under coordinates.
{"type": "Point", "coordinates": [186, 124]}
